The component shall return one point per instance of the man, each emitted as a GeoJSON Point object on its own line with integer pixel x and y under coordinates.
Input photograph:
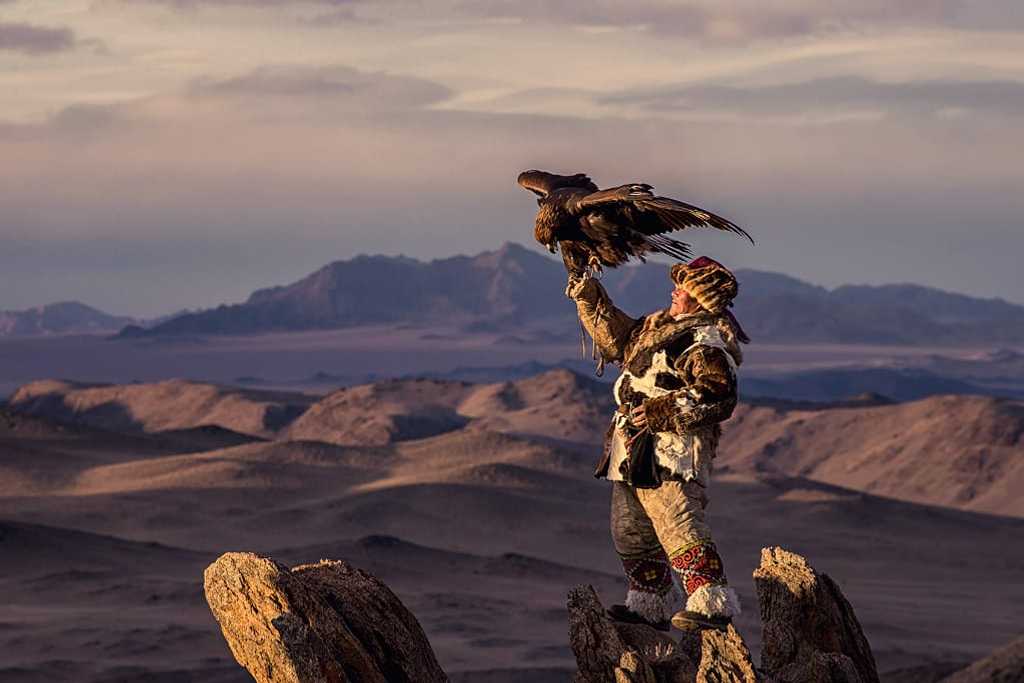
{"type": "Point", "coordinates": [678, 381]}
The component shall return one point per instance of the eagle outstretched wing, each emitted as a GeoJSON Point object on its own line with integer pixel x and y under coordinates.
{"type": "Point", "coordinates": [653, 215]}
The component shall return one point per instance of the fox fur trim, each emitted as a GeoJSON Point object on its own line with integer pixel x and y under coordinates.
{"type": "Point", "coordinates": [714, 601]}
{"type": "Point", "coordinates": [655, 607]}
{"type": "Point", "coordinates": [659, 412]}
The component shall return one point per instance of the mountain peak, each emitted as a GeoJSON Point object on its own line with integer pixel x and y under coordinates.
{"type": "Point", "coordinates": [510, 253]}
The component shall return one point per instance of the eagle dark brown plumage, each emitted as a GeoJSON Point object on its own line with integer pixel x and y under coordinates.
{"type": "Point", "coordinates": [603, 228]}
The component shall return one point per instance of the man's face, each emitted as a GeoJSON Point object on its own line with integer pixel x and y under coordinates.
{"type": "Point", "coordinates": [682, 302]}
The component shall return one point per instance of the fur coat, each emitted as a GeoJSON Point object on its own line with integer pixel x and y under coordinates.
{"type": "Point", "coordinates": [681, 369]}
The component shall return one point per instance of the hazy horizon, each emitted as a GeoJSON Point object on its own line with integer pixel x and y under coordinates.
{"type": "Point", "coordinates": [168, 154]}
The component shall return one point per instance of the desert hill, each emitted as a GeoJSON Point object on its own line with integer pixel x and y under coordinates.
{"type": "Point", "coordinates": [35, 547]}
{"type": "Point", "coordinates": [160, 406]}
{"type": "Point", "coordinates": [1005, 665]}
{"type": "Point", "coordinates": [40, 456]}
{"type": "Point", "coordinates": [558, 403]}
{"type": "Point", "coordinates": [513, 288]}
{"type": "Point", "coordinates": [383, 412]}
{"type": "Point", "coordinates": [958, 451]}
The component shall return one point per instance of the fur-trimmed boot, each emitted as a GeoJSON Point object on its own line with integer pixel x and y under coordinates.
{"type": "Point", "coordinates": [710, 602]}
{"type": "Point", "coordinates": [651, 596]}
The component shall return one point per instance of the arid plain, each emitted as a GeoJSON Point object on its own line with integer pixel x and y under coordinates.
{"type": "Point", "coordinates": [475, 503]}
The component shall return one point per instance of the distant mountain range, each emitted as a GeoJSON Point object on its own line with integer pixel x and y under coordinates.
{"type": "Point", "coordinates": [71, 317]}
{"type": "Point", "coordinates": [516, 292]}
{"type": "Point", "coordinates": [65, 317]}
{"type": "Point", "coordinates": [513, 288]}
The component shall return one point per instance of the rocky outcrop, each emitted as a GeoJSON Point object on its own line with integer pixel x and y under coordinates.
{"type": "Point", "coordinates": [809, 631]}
{"type": "Point", "coordinates": [629, 653]}
{"type": "Point", "coordinates": [331, 623]}
{"type": "Point", "coordinates": [316, 623]}
{"type": "Point", "coordinates": [810, 635]}
{"type": "Point", "coordinates": [725, 657]}
{"type": "Point", "coordinates": [626, 653]}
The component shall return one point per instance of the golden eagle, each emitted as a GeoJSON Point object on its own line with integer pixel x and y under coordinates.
{"type": "Point", "coordinates": [597, 228]}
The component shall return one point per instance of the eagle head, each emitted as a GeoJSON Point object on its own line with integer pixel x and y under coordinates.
{"type": "Point", "coordinates": [542, 183]}
{"type": "Point", "coordinates": [534, 181]}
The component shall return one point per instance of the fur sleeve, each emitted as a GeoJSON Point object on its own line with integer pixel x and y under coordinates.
{"type": "Point", "coordinates": [609, 327]}
{"type": "Point", "coordinates": [708, 374]}
{"type": "Point", "coordinates": [709, 396]}
{"type": "Point", "coordinates": [711, 382]}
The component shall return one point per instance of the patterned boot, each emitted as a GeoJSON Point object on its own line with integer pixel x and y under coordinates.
{"type": "Point", "coordinates": [710, 602]}
{"type": "Point", "coordinates": [651, 595]}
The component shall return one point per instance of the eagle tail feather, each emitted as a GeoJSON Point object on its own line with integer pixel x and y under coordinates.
{"type": "Point", "coordinates": [669, 246]}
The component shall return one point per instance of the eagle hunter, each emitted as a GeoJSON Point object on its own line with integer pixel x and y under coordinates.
{"type": "Point", "coordinates": [604, 228]}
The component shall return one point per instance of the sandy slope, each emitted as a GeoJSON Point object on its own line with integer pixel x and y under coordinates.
{"type": "Point", "coordinates": [160, 406]}
{"type": "Point", "coordinates": [961, 451]}
{"type": "Point", "coordinates": [559, 404]}
{"type": "Point", "coordinates": [1006, 665]}
{"type": "Point", "coordinates": [44, 457]}
{"type": "Point", "coordinates": [381, 413]}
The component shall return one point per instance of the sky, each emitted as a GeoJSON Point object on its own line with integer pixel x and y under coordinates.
{"type": "Point", "coordinates": [165, 154]}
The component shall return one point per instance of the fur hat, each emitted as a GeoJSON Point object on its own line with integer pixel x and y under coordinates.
{"type": "Point", "coordinates": [708, 281]}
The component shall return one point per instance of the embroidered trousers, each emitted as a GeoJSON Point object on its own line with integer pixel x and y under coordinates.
{"type": "Point", "coordinates": [653, 529]}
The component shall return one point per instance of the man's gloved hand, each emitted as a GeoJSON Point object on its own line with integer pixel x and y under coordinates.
{"type": "Point", "coordinates": [638, 417]}
{"type": "Point", "coordinates": [582, 288]}
{"type": "Point", "coordinates": [663, 414]}
{"type": "Point", "coordinates": [573, 286]}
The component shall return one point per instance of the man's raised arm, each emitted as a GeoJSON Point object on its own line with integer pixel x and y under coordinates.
{"type": "Point", "coordinates": [608, 326]}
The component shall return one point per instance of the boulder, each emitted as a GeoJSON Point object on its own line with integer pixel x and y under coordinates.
{"type": "Point", "coordinates": [809, 631]}
{"type": "Point", "coordinates": [326, 622]}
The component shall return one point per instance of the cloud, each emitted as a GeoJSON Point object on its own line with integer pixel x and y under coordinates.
{"type": "Point", "coordinates": [257, 4]}
{"type": "Point", "coordinates": [833, 95]}
{"type": "Point", "coordinates": [753, 19]}
{"type": "Point", "coordinates": [306, 164]}
{"type": "Point", "coordinates": [341, 86]}
{"type": "Point", "coordinates": [35, 40]}
{"type": "Point", "coordinates": [710, 21]}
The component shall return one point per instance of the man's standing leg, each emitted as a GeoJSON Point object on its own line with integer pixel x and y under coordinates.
{"type": "Point", "coordinates": [651, 593]}
{"type": "Point", "coordinates": [676, 511]}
